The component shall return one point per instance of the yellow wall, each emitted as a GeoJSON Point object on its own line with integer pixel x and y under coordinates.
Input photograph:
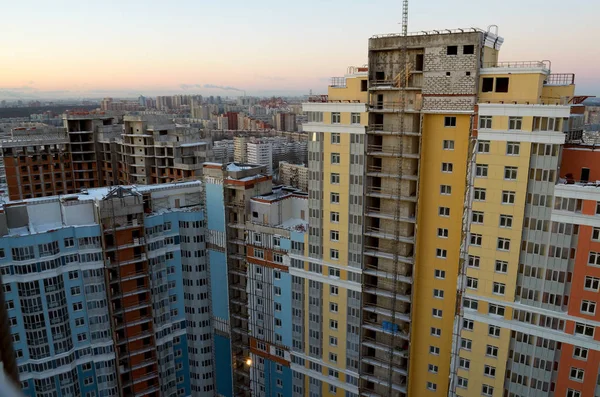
{"type": "Point", "coordinates": [486, 274]}
{"type": "Point", "coordinates": [434, 133]}
{"type": "Point", "coordinates": [553, 94]}
{"type": "Point", "coordinates": [351, 92]}
{"type": "Point", "coordinates": [521, 88]}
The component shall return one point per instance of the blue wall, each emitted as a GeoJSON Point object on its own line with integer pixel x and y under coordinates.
{"type": "Point", "coordinates": [285, 283]}
{"type": "Point", "coordinates": [223, 366]}
{"type": "Point", "coordinates": [215, 207]}
{"type": "Point", "coordinates": [271, 376]}
{"type": "Point", "coordinates": [218, 284]}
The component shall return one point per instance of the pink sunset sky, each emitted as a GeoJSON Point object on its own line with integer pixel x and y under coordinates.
{"type": "Point", "coordinates": [263, 47]}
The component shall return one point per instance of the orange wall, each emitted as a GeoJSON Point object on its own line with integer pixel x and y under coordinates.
{"type": "Point", "coordinates": [574, 159]}
{"type": "Point", "coordinates": [590, 366]}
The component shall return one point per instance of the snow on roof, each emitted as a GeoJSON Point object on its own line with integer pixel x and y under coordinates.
{"type": "Point", "coordinates": [295, 224]}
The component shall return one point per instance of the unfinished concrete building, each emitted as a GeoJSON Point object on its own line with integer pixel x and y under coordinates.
{"type": "Point", "coordinates": [37, 162]}
{"type": "Point", "coordinates": [92, 150]}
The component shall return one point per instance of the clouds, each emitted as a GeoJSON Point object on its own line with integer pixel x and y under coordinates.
{"type": "Point", "coordinates": [209, 86]}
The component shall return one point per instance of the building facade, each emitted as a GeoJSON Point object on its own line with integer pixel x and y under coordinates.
{"type": "Point", "coordinates": [108, 292]}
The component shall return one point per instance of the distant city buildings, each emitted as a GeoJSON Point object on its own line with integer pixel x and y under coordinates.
{"type": "Point", "coordinates": [295, 175]}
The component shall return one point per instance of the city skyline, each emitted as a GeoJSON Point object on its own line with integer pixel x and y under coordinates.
{"type": "Point", "coordinates": [266, 48]}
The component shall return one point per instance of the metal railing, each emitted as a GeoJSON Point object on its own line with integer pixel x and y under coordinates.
{"type": "Point", "coordinates": [430, 32]}
{"type": "Point", "coordinates": [560, 79]}
{"type": "Point", "coordinates": [518, 64]}
{"type": "Point", "coordinates": [338, 82]}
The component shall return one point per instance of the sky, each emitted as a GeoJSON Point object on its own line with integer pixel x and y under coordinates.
{"type": "Point", "coordinates": [124, 48]}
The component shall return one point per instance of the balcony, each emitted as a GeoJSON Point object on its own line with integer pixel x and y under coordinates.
{"type": "Point", "coordinates": [539, 65]}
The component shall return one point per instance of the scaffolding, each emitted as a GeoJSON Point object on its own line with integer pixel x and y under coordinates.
{"type": "Point", "coordinates": [390, 249]}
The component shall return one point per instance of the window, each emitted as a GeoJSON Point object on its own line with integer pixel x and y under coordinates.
{"type": "Point", "coordinates": [466, 343]}
{"type": "Point", "coordinates": [502, 84]}
{"type": "Point", "coordinates": [334, 254]}
{"type": "Point", "coordinates": [335, 198]}
{"type": "Point", "coordinates": [441, 253]}
{"type": "Point", "coordinates": [512, 148]}
{"type": "Point", "coordinates": [450, 121]}
{"type": "Point", "coordinates": [510, 173]}
{"type": "Point", "coordinates": [69, 242]}
{"type": "Point", "coordinates": [431, 386]}
{"type": "Point", "coordinates": [485, 121]}
{"type": "Point", "coordinates": [436, 313]}
{"type": "Point", "coordinates": [444, 211]}
{"type": "Point", "coordinates": [487, 390]}
{"type": "Point", "coordinates": [468, 325]}
{"type": "Point", "coordinates": [334, 272]}
{"type": "Point", "coordinates": [594, 258]}
{"type": "Point", "coordinates": [588, 307]}
{"type": "Point", "coordinates": [496, 309]}
{"type": "Point", "coordinates": [75, 290]}
{"type": "Point", "coordinates": [508, 197]}
{"type": "Point", "coordinates": [476, 239]}
{"type": "Point", "coordinates": [277, 306]}
{"type": "Point", "coordinates": [432, 368]}
{"type": "Point", "coordinates": [491, 351]}
{"type": "Point", "coordinates": [592, 283]}
{"type": "Point", "coordinates": [452, 50]}
{"type": "Point", "coordinates": [463, 363]}
{"type": "Point", "coordinates": [472, 304]}
{"type": "Point", "coordinates": [364, 85]}
{"type": "Point", "coordinates": [332, 389]}
{"type": "Point", "coordinates": [333, 357]}
{"type": "Point", "coordinates": [576, 374]}
{"type": "Point", "coordinates": [333, 324]}
{"type": "Point", "coordinates": [597, 207]}
{"type": "Point", "coordinates": [483, 147]}
{"type": "Point", "coordinates": [596, 233]}
{"type": "Point", "coordinates": [515, 123]}
{"type": "Point", "coordinates": [445, 190]}
{"type": "Point", "coordinates": [434, 350]}
{"type": "Point", "coordinates": [487, 85]}
{"type": "Point", "coordinates": [584, 329]}
{"type": "Point", "coordinates": [469, 49]}
{"type": "Point", "coordinates": [335, 178]}
{"type": "Point", "coordinates": [506, 221]}
{"type": "Point", "coordinates": [448, 144]}
{"type": "Point", "coordinates": [335, 158]}
{"type": "Point", "coordinates": [442, 233]}
{"type": "Point", "coordinates": [494, 331]}
{"type": "Point", "coordinates": [333, 290]}
{"type": "Point", "coordinates": [277, 273]}
{"type": "Point", "coordinates": [580, 353]}
{"type": "Point", "coordinates": [333, 341]}
{"type": "Point", "coordinates": [334, 235]}
{"type": "Point", "coordinates": [573, 393]}
{"type": "Point", "coordinates": [335, 118]}
{"type": "Point", "coordinates": [438, 293]}
{"type": "Point", "coordinates": [481, 171]}
{"type": "Point", "coordinates": [477, 217]}
{"type": "Point", "coordinates": [479, 194]}
{"type": "Point", "coordinates": [435, 331]}
{"type": "Point", "coordinates": [499, 288]}
{"type": "Point", "coordinates": [474, 261]}
{"type": "Point", "coordinates": [490, 371]}
{"type": "Point", "coordinates": [440, 274]}
{"type": "Point", "coordinates": [277, 291]}
{"type": "Point", "coordinates": [447, 167]}
{"type": "Point", "coordinates": [472, 283]}
{"type": "Point", "coordinates": [355, 118]}
{"type": "Point", "coordinates": [260, 254]}
{"type": "Point", "coordinates": [462, 382]}
{"type": "Point", "coordinates": [10, 304]}
{"type": "Point", "coordinates": [334, 217]}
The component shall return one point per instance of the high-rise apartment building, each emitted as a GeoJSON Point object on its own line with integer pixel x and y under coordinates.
{"type": "Point", "coordinates": [108, 292]}
{"type": "Point", "coordinates": [261, 152]}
